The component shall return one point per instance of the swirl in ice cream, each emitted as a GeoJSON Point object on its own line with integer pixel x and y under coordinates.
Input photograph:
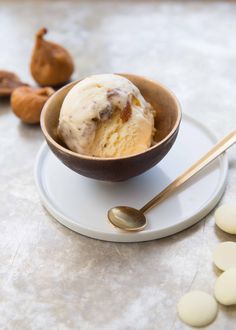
{"type": "Point", "coordinates": [106, 116]}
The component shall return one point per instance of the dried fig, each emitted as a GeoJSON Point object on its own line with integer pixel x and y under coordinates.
{"type": "Point", "coordinates": [126, 112]}
{"type": "Point", "coordinates": [27, 102]}
{"type": "Point", "coordinates": [51, 64]}
{"type": "Point", "coordinates": [8, 82]}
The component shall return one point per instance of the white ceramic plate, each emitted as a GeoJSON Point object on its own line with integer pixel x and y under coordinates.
{"type": "Point", "coordinates": [81, 204]}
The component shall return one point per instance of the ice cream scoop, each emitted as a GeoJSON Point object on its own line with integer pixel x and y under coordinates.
{"type": "Point", "coordinates": [106, 116]}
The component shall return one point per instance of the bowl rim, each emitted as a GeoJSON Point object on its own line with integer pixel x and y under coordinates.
{"type": "Point", "coordinates": [94, 158]}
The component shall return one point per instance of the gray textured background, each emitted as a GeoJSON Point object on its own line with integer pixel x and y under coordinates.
{"type": "Point", "coordinates": [52, 278]}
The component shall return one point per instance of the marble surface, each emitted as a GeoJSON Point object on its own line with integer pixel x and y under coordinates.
{"type": "Point", "coordinates": [53, 278]}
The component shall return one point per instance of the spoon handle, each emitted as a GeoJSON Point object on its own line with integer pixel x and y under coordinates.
{"type": "Point", "coordinates": [218, 149]}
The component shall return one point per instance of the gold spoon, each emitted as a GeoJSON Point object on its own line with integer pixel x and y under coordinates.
{"type": "Point", "coordinates": [130, 219]}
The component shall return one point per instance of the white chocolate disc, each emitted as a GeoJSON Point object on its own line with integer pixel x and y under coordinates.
{"type": "Point", "coordinates": [225, 287]}
{"type": "Point", "coordinates": [225, 217]}
{"type": "Point", "coordinates": [224, 256]}
{"type": "Point", "coordinates": [197, 308]}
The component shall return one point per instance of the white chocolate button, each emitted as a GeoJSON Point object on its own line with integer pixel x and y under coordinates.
{"type": "Point", "coordinates": [225, 287]}
{"type": "Point", "coordinates": [197, 308]}
{"type": "Point", "coordinates": [224, 256]}
{"type": "Point", "coordinates": [225, 217]}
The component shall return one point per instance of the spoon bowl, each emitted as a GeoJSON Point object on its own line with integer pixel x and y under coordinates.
{"type": "Point", "coordinates": [127, 218]}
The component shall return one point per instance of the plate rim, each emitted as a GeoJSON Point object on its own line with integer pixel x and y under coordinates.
{"type": "Point", "coordinates": [145, 235]}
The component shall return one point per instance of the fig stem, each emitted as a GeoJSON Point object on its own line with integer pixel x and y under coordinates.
{"type": "Point", "coordinates": [41, 33]}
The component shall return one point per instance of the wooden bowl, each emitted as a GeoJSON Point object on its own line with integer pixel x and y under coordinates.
{"type": "Point", "coordinates": [117, 169]}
